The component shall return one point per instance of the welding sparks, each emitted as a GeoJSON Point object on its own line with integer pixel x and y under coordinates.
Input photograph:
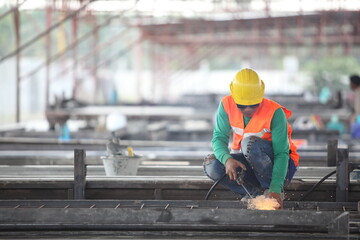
{"type": "Point", "coordinates": [263, 203]}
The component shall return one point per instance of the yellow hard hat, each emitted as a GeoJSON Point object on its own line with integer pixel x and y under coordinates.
{"type": "Point", "coordinates": [247, 88]}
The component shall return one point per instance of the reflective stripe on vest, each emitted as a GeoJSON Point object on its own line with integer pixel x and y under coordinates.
{"type": "Point", "coordinates": [259, 125]}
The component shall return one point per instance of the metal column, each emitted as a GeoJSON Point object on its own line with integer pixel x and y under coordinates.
{"type": "Point", "coordinates": [48, 56]}
{"type": "Point", "coordinates": [332, 152]}
{"type": "Point", "coordinates": [342, 176]}
{"type": "Point", "coordinates": [79, 174]}
{"type": "Point", "coordinates": [16, 15]}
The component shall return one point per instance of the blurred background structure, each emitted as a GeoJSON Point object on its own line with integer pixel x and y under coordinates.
{"type": "Point", "coordinates": [144, 78]}
{"type": "Point", "coordinates": [97, 52]}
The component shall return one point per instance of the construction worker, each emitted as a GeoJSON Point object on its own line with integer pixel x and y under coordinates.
{"type": "Point", "coordinates": [354, 81]}
{"type": "Point", "coordinates": [354, 119]}
{"type": "Point", "coordinates": [261, 145]}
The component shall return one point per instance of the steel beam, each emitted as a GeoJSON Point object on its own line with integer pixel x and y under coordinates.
{"type": "Point", "coordinates": [190, 217]}
{"type": "Point", "coordinates": [48, 54]}
{"type": "Point", "coordinates": [76, 80]}
{"type": "Point", "coordinates": [174, 234]}
{"type": "Point", "coordinates": [47, 31]}
{"type": "Point", "coordinates": [12, 9]}
{"type": "Point", "coordinates": [137, 204]}
{"type": "Point", "coordinates": [16, 15]}
{"type": "Point", "coordinates": [145, 187]}
{"type": "Point", "coordinates": [96, 57]}
{"type": "Point", "coordinates": [342, 176]}
{"type": "Point", "coordinates": [64, 155]}
{"type": "Point", "coordinates": [71, 47]}
{"type": "Point", "coordinates": [79, 174]}
{"type": "Point", "coordinates": [180, 32]}
{"type": "Point", "coordinates": [62, 170]}
{"type": "Point", "coordinates": [332, 152]}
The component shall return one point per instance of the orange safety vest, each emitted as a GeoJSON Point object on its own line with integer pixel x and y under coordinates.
{"type": "Point", "coordinates": [259, 124]}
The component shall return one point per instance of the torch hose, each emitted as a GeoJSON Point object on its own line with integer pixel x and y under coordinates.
{"type": "Point", "coordinates": [213, 187]}
{"type": "Point", "coordinates": [316, 185]}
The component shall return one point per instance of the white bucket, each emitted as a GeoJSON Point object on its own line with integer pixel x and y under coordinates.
{"type": "Point", "coordinates": [121, 165]}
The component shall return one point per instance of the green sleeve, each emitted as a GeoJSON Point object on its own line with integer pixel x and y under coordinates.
{"type": "Point", "coordinates": [280, 144]}
{"type": "Point", "coordinates": [220, 140]}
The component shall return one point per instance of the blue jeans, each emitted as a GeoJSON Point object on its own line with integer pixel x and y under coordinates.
{"type": "Point", "coordinates": [258, 157]}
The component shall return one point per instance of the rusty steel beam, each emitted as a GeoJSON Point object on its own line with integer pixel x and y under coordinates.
{"type": "Point", "coordinates": [197, 26]}
{"type": "Point", "coordinates": [16, 8]}
{"type": "Point", "coordinates": [72, 46]}
{"type": "Point", "coordinates": [16, 15]}
{"type": "Point", "coordinates": [249, 40]}
{"type": "Point", "coordinates": [193, 31]}
{"type": "Point", "coordinates": [48, 55]}
{"type": "Point", "coordinates": [46, 32]}
{"type": "Point", "coordinates": [96, 56]}
{"type": "Point", "coordinates": [76, 80]}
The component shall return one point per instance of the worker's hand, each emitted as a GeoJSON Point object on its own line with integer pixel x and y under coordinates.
{"type": "Point", "coordinates": [278, 198]}
{"type": "Point", "coordinates": [231, 165]}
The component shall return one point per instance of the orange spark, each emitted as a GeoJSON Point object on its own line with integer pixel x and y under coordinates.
{"type": "Point", "coordinates": [262, 203]}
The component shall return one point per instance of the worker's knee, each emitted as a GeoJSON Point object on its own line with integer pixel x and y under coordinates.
{"type": "Point", "coordinates": [213, 168]}
{"type": "Point", "coordinates": [257, 149]}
